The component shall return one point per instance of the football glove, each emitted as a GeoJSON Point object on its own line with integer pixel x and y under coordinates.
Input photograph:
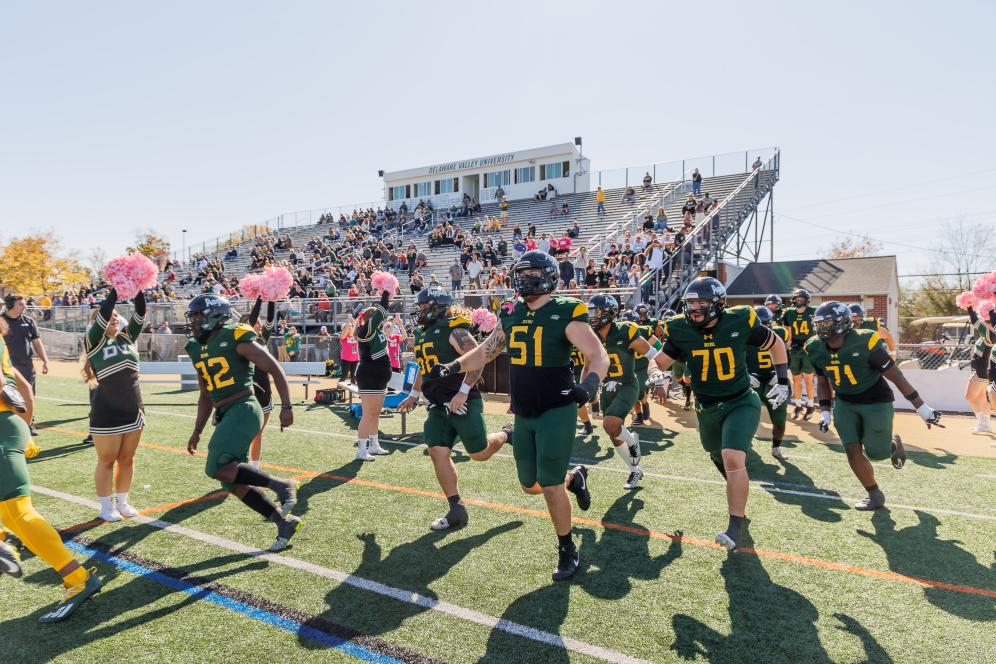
{"type": "Point", "coordinates": [460, 411]}
{"type": "Point", "coordinates": [755, 382]}
{"type": "Point", "coordinates": [443, 370]}
{"type": "Point", "coordinates": [610, 385]}
{"type": "Point", "coordinates": [584, 391]}
{"type": "Point", "coordinates": [930, 416]}
{"type": "Point", "coordinates": [778, 395]}
{"type": "Point", "coordinates": [825, 421]}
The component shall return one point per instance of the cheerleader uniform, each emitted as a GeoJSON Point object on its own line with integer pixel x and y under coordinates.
{"type": "Point", "coordinates": [116, 403]}
{"type": "Point", "coordinates": [374, 370]}
{"type": "Point", "coordinates": [260, 379]}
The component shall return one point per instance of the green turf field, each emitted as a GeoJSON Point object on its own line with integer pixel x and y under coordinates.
{"type": "Point", "coordinates": [367, 578]}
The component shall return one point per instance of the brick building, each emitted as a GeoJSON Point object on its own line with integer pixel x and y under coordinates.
{"type": "Point", "coordinates": [873, 282]}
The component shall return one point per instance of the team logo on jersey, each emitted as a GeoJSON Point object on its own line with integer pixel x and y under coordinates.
{"type": "Point", "coordinates": [735, 334]}
{"type": "Point", "coordinates": [223, 344]}
{"type": "Point", "coordinates": [555, 317]}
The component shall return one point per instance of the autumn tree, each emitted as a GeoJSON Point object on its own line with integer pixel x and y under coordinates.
{"type": "Point", "coordinates": [861, 247]}
{"type": "Point", "coordinates": [150, 244]}
{"type": "Point", "coordinates": [36, 264]}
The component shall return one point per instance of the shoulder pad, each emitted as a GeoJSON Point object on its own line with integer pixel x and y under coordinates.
{"type": "Point", "coordinates": [743, 310]}
{"type": "Point", "coordinates": [460, 321]}
{"type": "Point", "coordinates": [240, 330]}
{"type": "Point", "coordinates": [812, 341]}
{"type": "Point", "coordinates": [630, 328]}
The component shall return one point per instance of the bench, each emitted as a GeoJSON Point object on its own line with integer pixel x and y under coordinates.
{"type": "Point", "coordinates": [399, 388]}
{"type": "Point", "coordinates": [188, 375]}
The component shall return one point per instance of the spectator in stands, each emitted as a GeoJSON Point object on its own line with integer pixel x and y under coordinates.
{"type": "Point", "coordinates": [292, 344]}
{"type": "Point", "coordinates": [490, 256]}
{"type": "Point", "coordinates": [591, 274]}
{"type": "Point", "coordinates": [164, 328]}
{"type": "Point", "coordinates": [531, 230]}
{"type": "Point", "coordinates": [456, 275]}
{"type": "Point", "coordinates": [499, 193]}
{"type": "Point", "coordinates": [474, 269]}
{"type": "Point", "coordinates": [687, 221]}
{"type": "Point", "coordinates": [604, 274]}
{"type": "Point", "coordinates": [660, 224]}
{"type": "Point", "coordinates": [565, 209]}
{"type": "Point", "coordinates": [600, 200]}
{"type": "Point", "coordinates": [540, 195]}
{"type": "Point", "coordinates": [757, 164]}
{"type": "Point", "coordinates": [629, 196]}
{"type": "Point", "coordinates": [516, 232]}
{"type": "Point", "coordinates": [504, 209]}
{"type": "Point", "coordinates": [696, 182]}
{"type": "Point", "coordinates": [564, 243]}
{"type": "Point", "coordinates": [502, 247]}
{"type": "Point", "coordinates": [580, 263]}
{"type": "Point", "coordinates": [518, 247]}
{"type": "Point", "coordinates": [551, 191]}
{"type": "Point", "coordinates": [323, 344]}
{"type": "Point", "coordinates": [689, 206]}
{"type": "Point", "coordinates": [553, 209]}
{"type": "Point", "coordinates": [647, 182]}
{"type": "Point", "coordinates": [566, 270]}
{"type": "Point", "coordinates": [530, 243]}
{"type": "Point", "coordinates": [396, 335]}
{"type": "Point", "coordinates": [416, 282]}
{"type": "Point", "coordinates": [648, 221]}
{"type": "Point", "coordinates": [543, 244]}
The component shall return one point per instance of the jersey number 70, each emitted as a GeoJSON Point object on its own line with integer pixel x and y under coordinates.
{"type": "Point", "coordinates": [723, 361]}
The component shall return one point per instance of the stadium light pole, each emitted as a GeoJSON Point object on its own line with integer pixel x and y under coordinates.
{"type": "Point", "coordinates": [183, 245]}
{"type": "Point", "coordinates": [577, 142]}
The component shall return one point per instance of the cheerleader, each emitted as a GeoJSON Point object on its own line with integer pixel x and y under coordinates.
{"type": "Point", "coordinates": [978, 382]}
{"type": "Point", "coordinates": [372, 375]}
{"type": "Point", "coordinates": [261, 379]}
{"type": "Point", "coordinates": [349, 354]}
{"type": "Point", "coordinates": [117, 415]}
{"type": "Point", "coordinates": [394, 332]}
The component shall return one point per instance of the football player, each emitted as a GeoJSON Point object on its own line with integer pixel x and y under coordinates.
{"type": "Point", "coordinates": [762, 378]}
{"type": "Point", "coordinates": [774, 304]}
{"type": "Point", "coordinates": [17, 514]}
{"type": "Point", "coordinates": [456, 409]}
{"type": "Point", "coordinates": [649, 331]}
{"type": "Point", "coordinates": [577, 366]}
{"type": "Point", "coordinates": [620, 392]}
{"type": "Point", "coordinates": [538, 328]}
{"type": "Point", "coordinates": [224, 355]}
{"type": "Point", "coordinates": [678, 373]}
{"type": "Point", "coordinates": [798, 321]}
{"type": "Point", "coordinates": [855, 363]}
{"type": "Point", "coordinates": [862, 322]}
{"type": "Point", "coordinates": [713, 341]}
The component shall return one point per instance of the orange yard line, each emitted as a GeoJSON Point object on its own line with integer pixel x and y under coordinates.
{"type": "Point", "coordinates": [608, 525]}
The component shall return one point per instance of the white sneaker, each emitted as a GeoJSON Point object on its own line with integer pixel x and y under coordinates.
{"type": "Point", "coordinates": [127, 511]}
{"type": "Point", "coordinates": [778, 453]}
{"type": "Point", "coordinates": [375, 448]}
{"type": "Point", "coordinates": [110, 515]}
{"type": "Point", "coordinates": [982, 427]}
{"type": "Point", "coordinates": [361, 452]}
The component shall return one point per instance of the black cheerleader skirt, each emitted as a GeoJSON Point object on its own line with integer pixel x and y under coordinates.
{"type": "Point", "coordinates": [116, 405]}
{"type": "Point", "coordinates": [372, 376]}
{"type": "Point", "coordinates": [262, 389]}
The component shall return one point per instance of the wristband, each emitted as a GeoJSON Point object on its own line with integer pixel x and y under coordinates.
{"type": "Point", "coordinates": [286, 407]}
{"type": "Point", "coordinates": [652, 353]}
{"type": "Point", "coordinates": [912, 395]}
{"type": "Point", "coordinates": [825, 404]}
{"type": "Point", "coordinates": [464, 388]}
{"type": "Point", "coordinates": [415, 395]}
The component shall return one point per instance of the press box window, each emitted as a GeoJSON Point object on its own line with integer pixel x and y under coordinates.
{"type": "Point", "coordinates": [558, 169]}
{"type": "Point", "coordinates": [423, 188]}
{"type": "Point", "coordinates": [401, 191]}
{"type": "Point", "coordinates": [447, 186]}
{"type": "Point", "coordinates": [497, 179]}
{"type": "Point", "coordinates": [525, 174]}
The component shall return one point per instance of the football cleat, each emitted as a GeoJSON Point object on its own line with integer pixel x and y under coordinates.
{"type": "Point", "coordinates": [10, 561]}
{"type": "Point", "coordinates": [638, 420]}
{"type": "Point", "coordinates": [727, 542]}
{"type": "Point", "coordinates": [286, 529]}
{"type": "Point", "coordinates": [898, 452]}
{"type": "Point", "coordinates": [568, 559]}
{"type": "Point", "coordinates": [287, 495]}
{"type": "Point", "coordinates": [808, 413]}
{"type": "Point", "coordinates": [588, 429]}
{"type": "Point", "coordinates": [688, 403]}
{"type": "Point", "coordinates": [455, 518]}
{"type": "Point", "coordinates": [12, 539]}
{"type": "Point", "coordinates": [797, 411]}
{"type": "Point", "coordinates": [778, 453]}
{"type": "Point", "coordinates": [509, 431]}
{"type": "Point", "coordinates": [579, 487]}
{"type": "Point", "coordinates": [361, 452]}
{"type": "Point", "coordinates": [874, 501]}
{"type": "Point", "coordinates": [73, 598]}
{"type": "Point", "coordinates": [634, 479]}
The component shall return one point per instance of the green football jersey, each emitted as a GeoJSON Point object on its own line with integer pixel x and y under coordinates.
{"type": "Point", "coordinates": [872, 324]}
{"type": "Point", "coordinates": [716, 358]}
{"type": "Point", "coordinates": [646, 332]}
{"type": "Point", "coordinates": [778, 316]}
{"type": "Point", "coordinates": [7, 369]}
{"type": "Point", "coordinates": [622, 360]}
{"type": "Point", "coordinates": [853, 371]}
{"type": "Point", "coordinates": [539, 353]}
{"type": "Point", "coordinates": [222, 369]}
{"type": "Point", "coordinates": [799, 324]}
{"type": "Point", "coordinates": [432, 347]}
{"type": "Point", "coordinates": [759, 362]}
{"type": "Point", "coordinates": [113, 356]}
{"type": "Point", "coordinates": [373, 346]}
{"type": "Point", "coordinates": [984, 340]}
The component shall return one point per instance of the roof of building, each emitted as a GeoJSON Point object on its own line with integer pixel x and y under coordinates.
{"type": "Point", "coordinates": [846, 276]}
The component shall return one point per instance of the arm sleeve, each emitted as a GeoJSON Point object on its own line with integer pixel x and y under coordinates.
{"type": "Point", "coordinates": [384, 297]}
{"type": "Point", "coordinates": [137, 321]}
{"type": "Point", "coordinates": [271, 314]}
{"type": "Point", "coordinates": [879, 358]}
{"type": "Point", "coordinates": [96, 332]}
{"type": "Point", "coordinates": [972, 316]}
{"type": "Point", "coordinates": [760, 337]}
{"type": "Point", "coordinates": [254, 312]}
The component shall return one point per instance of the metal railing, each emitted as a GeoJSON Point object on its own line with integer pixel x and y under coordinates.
{"type": "Point", "coordinates": [709, 236]}
{"type": "Point", "coordinates": [933, 356]}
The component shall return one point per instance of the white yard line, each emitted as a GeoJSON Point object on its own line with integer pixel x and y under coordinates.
{"type": "Point", "coordinates": [764, 485]}
{"type": "Point", "coordinates": [407, 596]}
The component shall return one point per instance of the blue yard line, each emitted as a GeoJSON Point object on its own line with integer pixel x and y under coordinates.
{"type": "Point", "coordinates": [280, 622]}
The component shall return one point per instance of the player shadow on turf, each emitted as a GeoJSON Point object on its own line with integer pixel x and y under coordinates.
{"type": "Point", "coordinates": [767, 621]}
{"type": "Point", "coordinates": [930, 460]}
{"type": "Point", "coordinates": [609, 565]}
{"type": "Point", "coordinates": [874, 653]}
{"type": "Point", "coordinates": [413, 566]}
{"type": "Point", "coordinates": [780, 487]}
{"type": "Point", "coordinates": [328, 480]}
{"type": "Point", "coordinates": [49, 453]}
{"type": "Point", "coordinates": [917, 551]}
{"type": "Point", "coordinates": [99, 618]}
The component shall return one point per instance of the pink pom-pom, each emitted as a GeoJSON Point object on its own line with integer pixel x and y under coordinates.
{"type": "Point", "coordinates": [985, 286]}
{"type": "Point", "coordinates": [984, 307]}
{"type": "Point", "coordinates": [966, 300]}
{"type": "Point", "coordinates": [249, 286]}
{"type": "Point", "coordinates": [384, 281]}
{"type": "Point", "coordinates": [483, 319]}
{"type": "Point", "coordinates": [130, 274]}
{"type": "Point", "coordinates": [274, 284]}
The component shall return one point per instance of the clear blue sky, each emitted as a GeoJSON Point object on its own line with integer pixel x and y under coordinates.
{"type": "Point", "coordinates": [118, 116]}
